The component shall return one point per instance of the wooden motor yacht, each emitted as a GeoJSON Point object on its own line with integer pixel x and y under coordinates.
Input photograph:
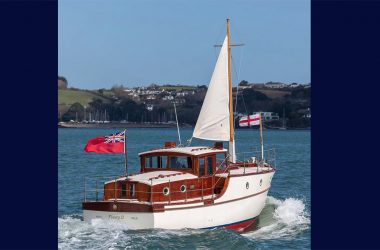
{"type": "Point", "coordinates": [192, 186]}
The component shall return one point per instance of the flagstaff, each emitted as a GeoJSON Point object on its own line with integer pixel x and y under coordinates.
{"type": "Point", "coordinates": [261, 137]}
{"type": "Point", "coordinates": [125, 152]}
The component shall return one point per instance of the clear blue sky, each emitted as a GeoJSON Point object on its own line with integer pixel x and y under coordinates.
{"type": "Point", "coordinates": [136, 43]}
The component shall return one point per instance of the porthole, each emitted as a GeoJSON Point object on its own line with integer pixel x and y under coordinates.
{"type": "Point", "coordinates": [166, 191]}
{"type": "Point", "coordinates": [247, 185]}
{"type": "Point", "coordinates": [261, 182]}
{"type": "Point", "coordinates": [183, 188]}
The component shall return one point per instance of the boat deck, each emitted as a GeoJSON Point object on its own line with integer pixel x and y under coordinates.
{"type": "Point", "coordinates": [192, 200]}
{"type": "Point", "coordinates": [245, 170]}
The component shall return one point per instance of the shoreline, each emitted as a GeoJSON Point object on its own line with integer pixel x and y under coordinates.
{"type": "Point", "coordinates": [147, 125]}
{"type": "Point", "coordinates": [118, 125]}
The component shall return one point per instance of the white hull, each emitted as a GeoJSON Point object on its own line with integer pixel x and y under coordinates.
{"type": "Point", "coordinates": [236, 205]}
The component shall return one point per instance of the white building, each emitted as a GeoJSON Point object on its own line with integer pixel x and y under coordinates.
{"type": "Point", "coordinates": [268, 116]}
{"type": "Point", "coordinates": [168, 98]}
{"type": "Point", "coordinates": [149, 107]}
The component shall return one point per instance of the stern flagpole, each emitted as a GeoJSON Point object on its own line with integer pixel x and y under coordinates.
{"type": "Point", "coordinates": [125, 152]}
{"type": "Point", "coordinates": [261, 137]}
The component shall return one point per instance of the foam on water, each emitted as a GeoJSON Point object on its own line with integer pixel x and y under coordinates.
{"type": "Point", "coordinates": [279, 219]}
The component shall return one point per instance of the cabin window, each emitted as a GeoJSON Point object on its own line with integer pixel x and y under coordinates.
{"type": "Point", "coordinates": [132, 191]}
{"type": "Point", "coordinates": [163, 161]}
{"type": "Point", "coordinates": [201, 166]}
{"type": "Point", "coordinates": [148, 162]}
{"type": "Point", "coordinates": [178, 162]}
{"type": "Point", "coordinates": [166, 191]}
{"type": "Point", "coordinates": [156, 162]}
{"type": "Point", "coordinates": [152, 161]}
{"type": "Point", "coordinates": [209, 165]}
{"type": "Point", "coordinates": [123, 189]}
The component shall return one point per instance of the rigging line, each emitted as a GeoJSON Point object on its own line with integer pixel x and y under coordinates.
{"type": "Point", "coordinates": [238, 79]}
{"type": "Point", "coordinates": [237, 88]}
{"type": "Point", "coordinates": [222, 28]}
{"type": "Point", "coordinates": [236, 32]}
{"type": "Point", "coordinates": [245, 107]}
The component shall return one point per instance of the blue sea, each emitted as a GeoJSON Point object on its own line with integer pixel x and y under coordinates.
{"type": "Point", "coordinates": [283, 224]}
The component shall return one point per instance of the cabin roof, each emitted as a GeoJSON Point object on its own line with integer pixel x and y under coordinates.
{"type": "Point", "coordinates": [159, 177]}
{"type": "Point", "coordinates": [186, 150]}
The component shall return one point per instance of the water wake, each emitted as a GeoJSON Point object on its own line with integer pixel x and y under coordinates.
{"type": "Point", "coordinates": [281, 219]}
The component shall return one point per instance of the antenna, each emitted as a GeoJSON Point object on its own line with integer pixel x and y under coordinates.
{"type": "Point", "coordinates": [176, 118]}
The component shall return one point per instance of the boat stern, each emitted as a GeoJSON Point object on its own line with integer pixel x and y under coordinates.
{"type": "Point", "coordinates": [133, 216]}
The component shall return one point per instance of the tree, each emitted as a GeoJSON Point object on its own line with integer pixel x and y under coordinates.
{"type": "Point", "coordinates": [62, 82]}
{"type": "Point", "coordinates": [243, 83]}
{"type": "Point", "coordinates": [96, 103]}
{"type": "Point", "coordinates": [76, 111]}
{"type": "Point", "coordinates": [250, 94]}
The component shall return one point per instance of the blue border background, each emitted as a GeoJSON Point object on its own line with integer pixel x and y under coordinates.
{"type": "Point", "coordinates": [345, 170]}
{"type": "Point", "coordinates": [28, 186]}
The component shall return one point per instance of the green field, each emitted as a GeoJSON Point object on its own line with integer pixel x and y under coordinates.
{"type": "Point", "coordinates": [69, 97]}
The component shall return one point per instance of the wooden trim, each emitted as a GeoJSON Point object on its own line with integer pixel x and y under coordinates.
{"type": "Point", "coordinates": [208, 202]}
{"type": "Point", "coordinates": [183, 170]}
{"type": "Point", "coordinates": [225, 186]}
{"type": "Point", "coordinates": [166, 154]}
{"type": "Point", "coordinates": [108, 206]}
{"type": "Point", "coordinates": [246, 174]}
{"type": "Point", "coordinates": [179, 154]}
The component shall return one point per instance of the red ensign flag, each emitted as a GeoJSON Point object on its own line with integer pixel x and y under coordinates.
{"type": "Point", "coordinates": [111, 144]}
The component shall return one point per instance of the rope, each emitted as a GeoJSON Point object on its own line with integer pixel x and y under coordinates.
{"type": "Point", "coordinates": [223, 27]}
{"type": "Point", "coordinates": [238, 77]}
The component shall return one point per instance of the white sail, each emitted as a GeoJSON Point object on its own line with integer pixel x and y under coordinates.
{"type": "Point", "coordinates": [213, 121]}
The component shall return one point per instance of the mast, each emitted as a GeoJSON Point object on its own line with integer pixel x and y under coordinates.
{"type": "Point", "coordinates": [261, 137]}
{"type": "Point", "coordinates": [232, 132]}
{"type": "Point", "coordinates": [176, 119]}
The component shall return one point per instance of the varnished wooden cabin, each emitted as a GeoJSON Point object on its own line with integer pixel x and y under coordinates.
{"type": "Point", "coordinates": [173, 174]}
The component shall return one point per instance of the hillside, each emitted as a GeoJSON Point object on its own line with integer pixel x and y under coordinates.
{"type": "Point", "coordinates": [154, 104]}
{"type": "Point", "coordinates": [274, 93]}
{"type": "Point", "coordinates": [69, 96]}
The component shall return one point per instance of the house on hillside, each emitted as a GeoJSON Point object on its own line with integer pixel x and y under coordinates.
{"type": "Point", "coordinates": [275, 85]}
{"type": "Point", "coordinates": [305, 113]}
{"type": "Point", "coordinates": [294, 85]}
{"type": "Point", "coordinates": [168, 98]}
{"type": "Point", "coordinates": [149, 107]}
{"type": "Point", "coordinates": [268, 116]}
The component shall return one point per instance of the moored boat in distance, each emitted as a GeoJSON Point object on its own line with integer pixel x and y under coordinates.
{"type": "Point", "coordinates": [192, 186]}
